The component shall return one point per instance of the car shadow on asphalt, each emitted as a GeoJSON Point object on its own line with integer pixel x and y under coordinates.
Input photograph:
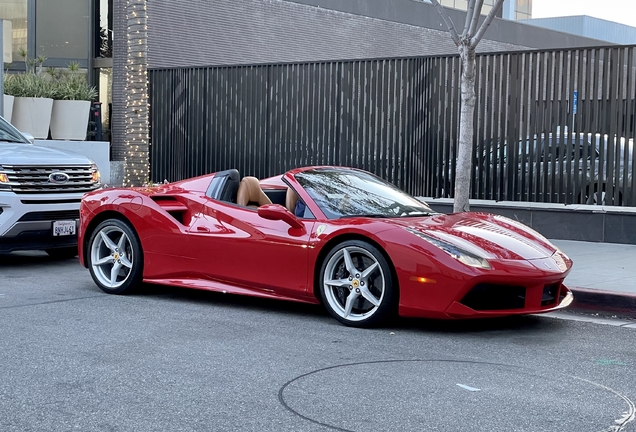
{"type": "Point", "coordinates": [530, 323]}
{"type": "Point", "coordinates": [31, 258]}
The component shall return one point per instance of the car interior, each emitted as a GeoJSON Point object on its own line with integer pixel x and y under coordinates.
{"type": "Point", "coordinates": [247, 192]}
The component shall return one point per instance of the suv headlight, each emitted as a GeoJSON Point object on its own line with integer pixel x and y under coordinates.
{"type": "Point", "coordinates": [4, 180]}
{"type": "Point", "coordinates": [458, 253]}
{"type": "Point", "coordinates": [95, 176]}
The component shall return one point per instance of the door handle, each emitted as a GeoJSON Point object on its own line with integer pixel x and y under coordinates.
{"type": "Point", "coordinates": [203, 229]}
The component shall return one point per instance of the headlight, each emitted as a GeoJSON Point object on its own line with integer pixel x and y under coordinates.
{"type": "Point", "coordinates": [459, 254]}
{"type": "Point", "coordinates": [4, 180]}
{"type": "Point", "coordinates": [95, 176]}
{"type": "Point", "coordinates": [558, 258]}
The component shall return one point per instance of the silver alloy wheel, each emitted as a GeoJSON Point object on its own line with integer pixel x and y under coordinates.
{"type": "Point", "coordinates": [112, 257]}
{"type": "Point", "coordinates": [354, 283]}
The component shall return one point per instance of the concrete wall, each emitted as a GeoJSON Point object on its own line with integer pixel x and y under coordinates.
{"type": "Point", "coordinates": [197, 33]}
{"type": "Point", "coordinates": [418, 13]}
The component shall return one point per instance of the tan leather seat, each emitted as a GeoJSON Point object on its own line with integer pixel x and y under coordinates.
{"type": "Point", "coordinates": [250, 193]}
{"type": "Point", "coordinates": [291, 198]}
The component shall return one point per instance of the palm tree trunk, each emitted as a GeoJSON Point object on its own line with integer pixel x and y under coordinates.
{"type": "Point", "coordinates": [136, 110]}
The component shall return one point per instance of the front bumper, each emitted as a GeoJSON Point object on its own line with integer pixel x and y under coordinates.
{"type": "Point", "coordinates": [26, 221]}
{"type": "Point", "coordinates": [532, 305]}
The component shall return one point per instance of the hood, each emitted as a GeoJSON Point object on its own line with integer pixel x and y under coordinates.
{"type": "Point", "coordinates": [486, 235]}
{"type": "Point", "coordinates": [29, 154]}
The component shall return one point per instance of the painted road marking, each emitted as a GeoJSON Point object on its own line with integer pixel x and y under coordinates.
{"type": "Point", "coordinates": [616, 322]}
{"type": "Point", "coordinates": [472, 389]}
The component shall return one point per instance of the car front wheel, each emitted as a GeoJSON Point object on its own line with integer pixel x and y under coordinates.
{"type": "Point", "coordinates": [115, 258]}
{"type": "Point", "coordinates": [356, 284]}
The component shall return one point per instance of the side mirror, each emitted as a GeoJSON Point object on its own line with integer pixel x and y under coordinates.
{"type": "Point", "coordinates": [28, 136]}
{"type": "Point", "coordinates": [278, 212]}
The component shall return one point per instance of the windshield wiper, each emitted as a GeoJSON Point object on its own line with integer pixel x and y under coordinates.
{"type": "Point", "coordinates": [367, 215]}
{"type": "Point", "coordinates": [12, 140]}
{"type": "Point", "coordinates": [416, 213]}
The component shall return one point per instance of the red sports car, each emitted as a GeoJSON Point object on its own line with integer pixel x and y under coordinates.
{"type": "Point", "coordinates": [332, 235]}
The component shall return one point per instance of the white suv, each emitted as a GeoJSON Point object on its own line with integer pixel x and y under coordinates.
{"type": "Point", "coordinates": [40, 193]}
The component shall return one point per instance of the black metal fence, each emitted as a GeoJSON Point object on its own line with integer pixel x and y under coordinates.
{"type": "Point", "coordinates": [551, 126]}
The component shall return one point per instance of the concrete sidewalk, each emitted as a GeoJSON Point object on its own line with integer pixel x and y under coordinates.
{"type": "Point", "coordinates": [603, 277]}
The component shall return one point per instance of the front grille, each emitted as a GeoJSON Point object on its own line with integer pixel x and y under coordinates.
{"type": "Point", "coordinates": [495, 297]}
{"type": "Point", "coordinates": [50, 215]}
{"type": "Point", "coordinates": [52, 201]}
{"type": "Point", "coordinates": [25, 179]}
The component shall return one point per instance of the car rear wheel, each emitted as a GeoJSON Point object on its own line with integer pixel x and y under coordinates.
{"type": "Point", "coordinates": [115, 258]}
{"type": "Point", "coordinates": [356, 284]}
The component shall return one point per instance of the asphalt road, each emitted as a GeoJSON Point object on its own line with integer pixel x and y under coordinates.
{"type": "Point", "coordinates": [73, 358]}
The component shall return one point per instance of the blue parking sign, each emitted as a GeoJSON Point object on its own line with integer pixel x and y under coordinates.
{"type": "Point", "coordinates": [575, 102]}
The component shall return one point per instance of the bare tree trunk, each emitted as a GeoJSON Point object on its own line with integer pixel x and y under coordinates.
{"type": "Point", "coordinates": [466, 126]}
{"type": "Point", "coordinates": [466, 44]}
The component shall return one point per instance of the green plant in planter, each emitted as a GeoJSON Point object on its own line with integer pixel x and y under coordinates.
{"type": "Point", "coordinates": [28, 85]}
{"type": "Point", "coordinates": [74, 87]}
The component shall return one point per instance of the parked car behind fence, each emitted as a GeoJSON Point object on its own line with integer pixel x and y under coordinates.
{"type": "Point", "coordinates": [570, 169]}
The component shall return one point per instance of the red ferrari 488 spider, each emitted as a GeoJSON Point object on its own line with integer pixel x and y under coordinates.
{"type": "Point", "coordinates": [332, 235]}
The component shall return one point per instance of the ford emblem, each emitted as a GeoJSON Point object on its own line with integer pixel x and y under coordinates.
{"type": "Point", "coordinates": [58, 177]}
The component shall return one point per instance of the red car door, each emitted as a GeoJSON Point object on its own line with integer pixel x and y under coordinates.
{"type": "Point", "coordinates": [234, 245]}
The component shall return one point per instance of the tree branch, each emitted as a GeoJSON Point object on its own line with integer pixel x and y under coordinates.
{"type": "Point", "coordinates": [475, 19]}
{"type": "Point", "coordinates": [484, 26]}
{"type": "Point", "coordinates": [469, 17]}
{"type": "Point", "coordinates": [448, 21]}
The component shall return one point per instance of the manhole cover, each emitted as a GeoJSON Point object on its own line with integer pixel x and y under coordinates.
{"type": "Point", "coordinates": [450, 395]}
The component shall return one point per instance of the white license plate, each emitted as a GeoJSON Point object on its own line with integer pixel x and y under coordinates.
{"type": "Point", "coordinates": [63, 228]}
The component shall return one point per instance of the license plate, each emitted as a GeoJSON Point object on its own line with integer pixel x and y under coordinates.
{"type": "Point", "coordinates": [63, 228]}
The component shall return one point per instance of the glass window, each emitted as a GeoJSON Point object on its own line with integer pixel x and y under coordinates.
{"type": "Point", "coordinates": [524, 6]}
{"type": "Point", "coordinates": [105, 97]}
{"type": "Point", "coordinates": [10, 134]}
{"type": "Point", "coordinates": [62, 29]}
{"type": "Point", "coordinates": [16, 12]}
{"type": "Point", "coordinates": [461, 4]}
{"type": "Point", "coordinates": [104, 37]}
{"type": "Point", "coordinates": [342, 193]}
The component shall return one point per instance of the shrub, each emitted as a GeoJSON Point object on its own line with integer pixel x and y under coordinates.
{"type": "Point", "coordinates": [28, 85]}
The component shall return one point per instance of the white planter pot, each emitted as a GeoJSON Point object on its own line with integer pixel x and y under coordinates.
{"type": "Point", "coordinates": [32, 115]}
{"type": "Point", "coordinates": [69, 120]}
{"type": "Point", "coordinates": [8, 107]}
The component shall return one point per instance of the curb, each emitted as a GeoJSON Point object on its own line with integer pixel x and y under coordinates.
{"type": "Point", "coordinates": [623, 304]}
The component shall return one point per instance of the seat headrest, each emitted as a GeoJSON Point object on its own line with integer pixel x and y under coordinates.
{"type": "Point", "coordinates": [250, 193]}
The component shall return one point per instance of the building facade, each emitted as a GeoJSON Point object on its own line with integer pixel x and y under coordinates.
{"type": "Point", "coordinates": [189, 33]}
{"type": "Point", "coordinates": [590, 27]}
{"type": "Point", "coordinates": [64, 31]}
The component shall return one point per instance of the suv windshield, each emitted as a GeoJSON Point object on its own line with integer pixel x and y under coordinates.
{"type": "Point", "coordinates": [341, 193]}
{"type": "Point", "coordinates": [10, 134]}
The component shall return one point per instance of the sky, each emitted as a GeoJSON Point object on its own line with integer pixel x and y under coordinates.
{"type": "Point", "coordinates": [622, 11]}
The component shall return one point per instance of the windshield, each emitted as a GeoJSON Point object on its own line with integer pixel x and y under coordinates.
{"type": "Point", "coordinates": [10, 134]}
{"type": "Point", "coordinates": [342, 193]}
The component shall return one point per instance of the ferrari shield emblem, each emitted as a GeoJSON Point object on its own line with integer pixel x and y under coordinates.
{"type": "Point", "coordinates": [320, 230]}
